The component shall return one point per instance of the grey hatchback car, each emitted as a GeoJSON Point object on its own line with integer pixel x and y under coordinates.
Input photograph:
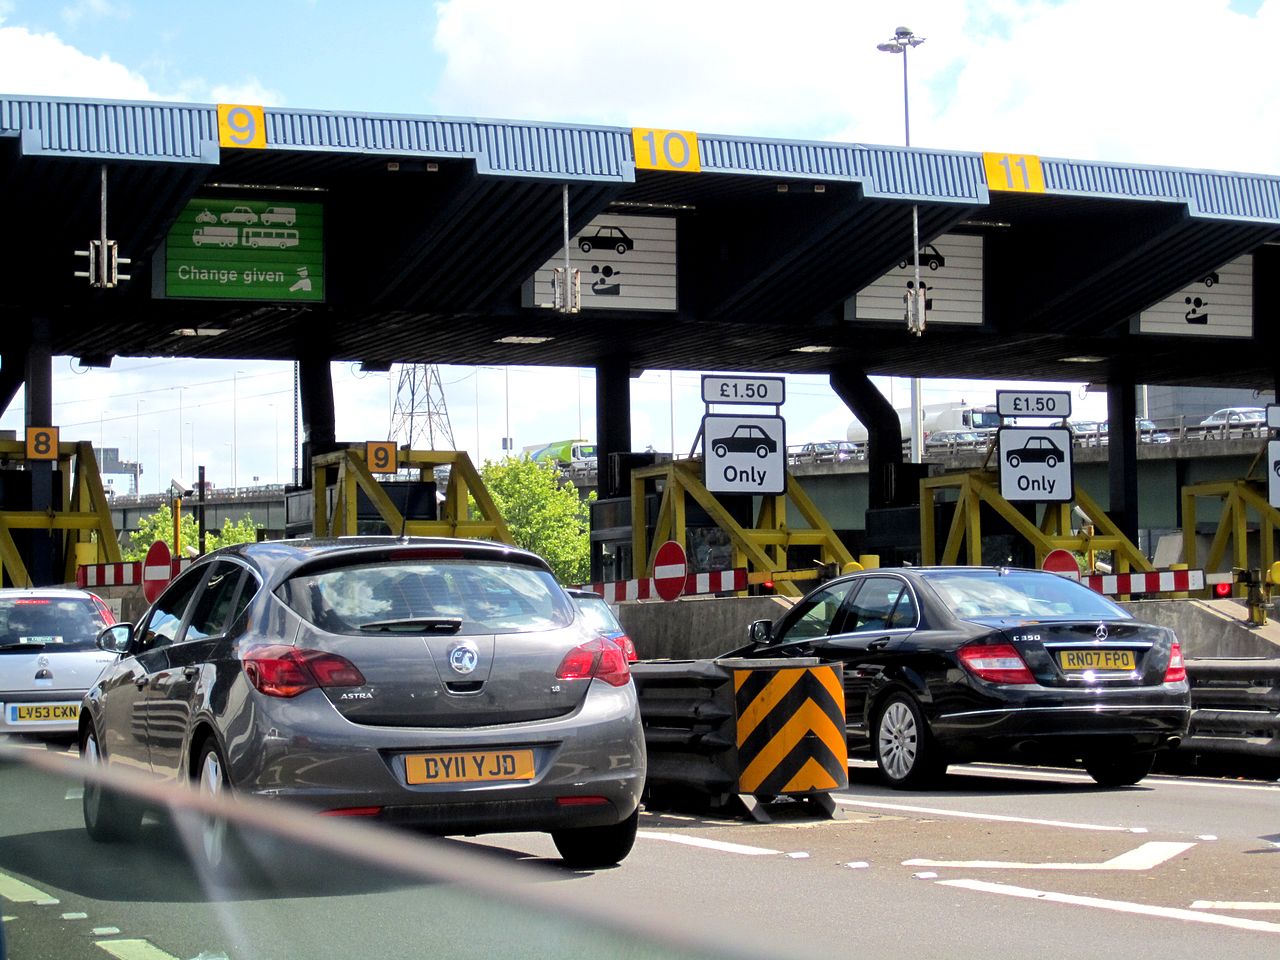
{"type": "Point", "coordinates": [447, 685]}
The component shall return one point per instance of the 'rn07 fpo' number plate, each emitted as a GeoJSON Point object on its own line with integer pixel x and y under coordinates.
{"type": "Point", "coordinates": [469, 766]}
{"type": "Point", "coordinates": [1076, 660]}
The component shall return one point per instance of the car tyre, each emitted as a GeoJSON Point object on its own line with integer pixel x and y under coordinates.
{"type": "Point", "coordinates": [584, 246]}
{"type": "Point", "coordinates": [1015, 462]}
{"type": "Point", "coordinates": [218, 851]}
{"type": "Point", "coordinates": [1051, 462]}
{"type": "Point", "coordinates": [762, 451]}
{"type": "Point", "coordinates": [721, 450]}
{"type": "Point", "coordinates": [621, 248]}
{"type": "Point", "coordinates": [1119, 771]}
{"type": "Point", "coordinates": [592, 847]}
{"type": "Point", "coordinates": [108, 817]}
{"type": "Point", "coordinates": [904, 748]}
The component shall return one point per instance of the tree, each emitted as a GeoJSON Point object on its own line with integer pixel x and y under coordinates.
{"type": "Point", "coordinates": [543, 513]}
{"type": "Point", "coordinates": [159, 526]}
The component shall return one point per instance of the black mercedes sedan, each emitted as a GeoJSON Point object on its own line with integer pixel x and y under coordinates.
{"type": "Point", "coordinates": [955, 664]}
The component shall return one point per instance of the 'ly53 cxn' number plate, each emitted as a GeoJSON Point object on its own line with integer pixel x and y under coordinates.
{"type": "Point", "coordinates": [42, 712]}
{"type": "Point", "coordinates": [1076, 660]}
{"type": "Point", "coordinates": [469, 766]}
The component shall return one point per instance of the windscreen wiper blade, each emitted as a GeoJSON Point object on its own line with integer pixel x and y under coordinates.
{"type": "Point", "coordinates": [415, 625]}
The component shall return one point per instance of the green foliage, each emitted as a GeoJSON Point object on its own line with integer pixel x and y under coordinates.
{"type": "Point", "coordinates": [544, 514]}
{"type": "Point", "coordinates": [159, 526]}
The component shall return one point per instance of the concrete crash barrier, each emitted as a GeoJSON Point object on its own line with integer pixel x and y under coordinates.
{"type": "Point", "coordinates": [753, 730]}
{"type": "Point", "coordinates": [1235, 707]}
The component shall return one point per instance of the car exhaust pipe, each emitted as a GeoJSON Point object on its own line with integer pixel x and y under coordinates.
{"type": "Point", "coordinates": [1173, 741]}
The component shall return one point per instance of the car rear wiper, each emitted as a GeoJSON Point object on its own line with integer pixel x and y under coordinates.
{"type": "Point", "coordinates": [415, 625]}
{"type": "Point", "coordinates": [21, 646]}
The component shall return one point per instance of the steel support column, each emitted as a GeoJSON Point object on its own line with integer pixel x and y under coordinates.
{"type": "Point", "coordinates": [884, 430]}
{"type": "Point", "coordinates": [41, 562]}
{"type": "Point", "coordinates": [1122, 461]}
{"type": "Point", "coordinates": [319, 423]}
{"type": "Point", "coordinates": [613, 422]}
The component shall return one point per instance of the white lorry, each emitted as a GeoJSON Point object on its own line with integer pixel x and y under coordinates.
{"type": "Point", "coordinates": [938, 418]}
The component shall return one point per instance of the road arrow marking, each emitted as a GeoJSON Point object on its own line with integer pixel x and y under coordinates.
{"type": "Point", "coordinates": [706, 844]}
{"type": "Point", "coordinates": [1146, 857]}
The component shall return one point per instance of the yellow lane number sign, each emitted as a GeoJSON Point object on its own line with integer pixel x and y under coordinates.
{"type": "Point", "coordinates": [380, 456]}
{"type": "Point", "coordinates": [42, 443]}
{"type": "Point", "coordinates": [1019, 172]}
{"type": "Point", "coordinates": [241, 125]}
{"type": "Point", "coordinates": [666, 150]}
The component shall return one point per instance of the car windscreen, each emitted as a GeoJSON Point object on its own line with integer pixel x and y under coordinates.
{"type": "Point", "coordinates": [464, 597]}
{"type": "Point", "coordinates": [1019, 594]}
{"type": "Point", "coordinates": [49, 623]}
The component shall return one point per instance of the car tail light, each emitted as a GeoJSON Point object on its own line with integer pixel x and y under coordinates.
{"type": "Point", "coordinates": [598, 659]}
{"type": "Point", "coordinates": [587, 801]}
{"type": "Point", "coordinates": [280, 671]}
{"type": "Point", "coordinates": [31, 602]}
{"type": "Point", "coordinates": [1177, 670]}
{"type": "Point", "coordinates": [352, 812]}
{"type": "Point", "coordinates": [628, 648]}
{"type": "Point", "coordinates": [996, 662]}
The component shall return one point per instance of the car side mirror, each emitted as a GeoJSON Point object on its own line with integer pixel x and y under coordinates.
{"type": "Point", "coordinates": [760, 632]}
{"type": "Point", "coordinates": [116, 639]}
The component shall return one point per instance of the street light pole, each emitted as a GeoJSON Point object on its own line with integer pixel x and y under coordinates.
{"type": "Point", "coordinates": [903, 41]}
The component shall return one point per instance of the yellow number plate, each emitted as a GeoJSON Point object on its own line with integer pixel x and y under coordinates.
{"type": "Point", "coordinates": [1097, 660]}
{"type": "Point", "coordinates": [38, 712]}
{"type": "Point", "coordinates": [469, 766]}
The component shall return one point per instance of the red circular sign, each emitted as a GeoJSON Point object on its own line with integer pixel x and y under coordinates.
{"type": "Point", "coordinates": [157, 571]}
{"type": "Point", "coordinates": [669, 570]}
{"type": "Point", "coordinates": [1062, 562]}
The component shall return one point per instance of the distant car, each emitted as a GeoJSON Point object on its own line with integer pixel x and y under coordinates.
{"type": "Point", "coordinates": [446, 684]}
{"type": "Point", "coordinates": [607, 238]}
{"type": "Point", "coordinates": [958, 664]}
{"type": "Point", "coordinates": [286, 216]}
{"type": "Point", "coordinates": [1234, 418]}
{"type": "Point", "coordinates": [1036, 450]}
{"type": "Point", "coordinates": [745, 439]}
{"type": "Point", "coordinates": [601, 618]}
{"type": "Point", "coordinates": [1148, 432]}
{"type": "Point", "coordinates": [239, 215]}
{"type": "Point", "coordinates": [818, 452]}
{"type": "Point", "coordinates": [48, 657]}
{"type": "Point", "coordinates": [929, 257]}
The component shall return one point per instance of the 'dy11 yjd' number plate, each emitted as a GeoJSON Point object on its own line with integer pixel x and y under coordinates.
{"type": "Point", "coordinates": [1097, 660]}
{"type": "Point", "coordinates": [469, 766]}
{"type": "Point", "coordinates": [42, 712]}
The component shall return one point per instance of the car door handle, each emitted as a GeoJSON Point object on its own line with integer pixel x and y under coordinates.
{"type": "Point", "coordinates": [140, 682]}
{"type": "Point", "coordinates": [190, 673]}
{"type": "Point", "coordinates": [878, 644]}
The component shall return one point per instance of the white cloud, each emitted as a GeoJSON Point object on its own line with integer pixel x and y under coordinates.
{"type": "Point", "coordinates": [41, 64]}
{"type": "Point", "coordinates": [249, 90]}
{"type": "Point", "coordinates": [92, 10]}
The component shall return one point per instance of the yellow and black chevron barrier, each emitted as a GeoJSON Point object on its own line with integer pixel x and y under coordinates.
{"type": "Point", "coordinates": [743, 728]}
{"type": "Point", "coordinates": [790, 732]}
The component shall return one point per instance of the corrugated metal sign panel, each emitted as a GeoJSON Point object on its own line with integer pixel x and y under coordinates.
{"type": "Point", "coordinates": [135, 131]}
{"type": "Point", "coordinates": [951, 271]}
{"type": "Point", "coordinates": [1227, 195]}
{"type": "Point", "coordinates": [629, 263]}
{"type": "Point", "coordinates": [1220, 304]}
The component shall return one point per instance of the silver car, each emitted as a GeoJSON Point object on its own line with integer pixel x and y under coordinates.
{"type": "Point", "coordinates": [48, 658]}
{"type": "Point", "coordinates": [448, 685]}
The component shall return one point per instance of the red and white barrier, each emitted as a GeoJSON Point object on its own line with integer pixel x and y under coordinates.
{"type": "Point", "coordinates": [695, 583]}
{"type": "Point", "coordinates": [1157, 581]}
{"type": "Point", "coordinates": [119, 574]}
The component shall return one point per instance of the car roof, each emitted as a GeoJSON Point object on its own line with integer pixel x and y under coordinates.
{"type": "Point", "coordinates": [52, 593]}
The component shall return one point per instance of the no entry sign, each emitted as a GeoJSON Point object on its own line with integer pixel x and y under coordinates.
{"type": "Point", "coordinates": [1062, 562]}
{"type": "Point", "coordinates": [669, 570]}
{"type": "Point", "coordinates": [157, 571]}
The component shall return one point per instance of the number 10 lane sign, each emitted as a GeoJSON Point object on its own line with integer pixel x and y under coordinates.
{"type": "Point", "coordinates": [769, 391]}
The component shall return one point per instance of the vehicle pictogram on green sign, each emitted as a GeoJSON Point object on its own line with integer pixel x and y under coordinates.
{"type": "Point", "coordinates": [237, 249]}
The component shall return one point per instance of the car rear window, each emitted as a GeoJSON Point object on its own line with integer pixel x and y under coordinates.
{"type": "Point", "coordinates": [483, 596]}
{"type": "Point", "coordinates": [597, 613]}
{"type": "Point", "coordinates": [57, 623]}
{"type": "Point", "coordinates": [1022, 594]}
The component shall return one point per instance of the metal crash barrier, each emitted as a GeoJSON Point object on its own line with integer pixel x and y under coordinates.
{"type": "Point", "coordinates": [1235, 707]}
{"type": "Point", "coordinates": [751, 729]}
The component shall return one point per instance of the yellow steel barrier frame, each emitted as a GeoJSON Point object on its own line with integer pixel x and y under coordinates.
{"type": "Point", "coordinates": [761, 549]}
{"type": "Point", "coordinates": [1238, 498]}
{"type": "Point", "coordinates": [85, 519]}
{"type": "Point", "coordinates": [354, 475]}
{"type": "Point", "coordinates": [1054, 531]}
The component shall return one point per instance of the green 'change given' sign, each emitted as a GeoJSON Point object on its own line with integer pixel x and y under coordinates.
{"type": "Point", "coordinates": [236, 249]}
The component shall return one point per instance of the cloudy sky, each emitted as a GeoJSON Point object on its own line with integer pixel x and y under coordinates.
{"type": "Point", "coordinates": [1180, 82]}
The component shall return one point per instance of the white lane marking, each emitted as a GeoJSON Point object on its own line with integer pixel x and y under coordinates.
{"type": "Point", "coordinates": [1148, 856]}
{"type": "Point", "coordinates": [1121, 906]}
{"type": "Point", "coordinates": [720, 845]}
{"type": "Point", "coordinates": [1000, 818]}
{"type": "Point", "coordinates": [1068, 776]}
{"type": "Point", "coordinates": [75, 916]}
{"type": "Point", "coordinates": [1206, 836]}
{"type": "Point", "coordinates": [858, 865]}
{"type": "Point", "coordinates": [134, 950]}
{"type": "Point", "coordinates": [75, 793]}
{"type": "Point", "coordinates": [1233, 905]}
{"type": "Point", "coordinates": [105, 931]}
{"type": "Point", "coordinates": [798, 855]}
{"type": "Point", "coordinates": [11, 888]}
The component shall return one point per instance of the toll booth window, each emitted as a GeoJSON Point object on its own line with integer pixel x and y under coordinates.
{"type": "Point", "coordinates": [815, 615]}
{"type": "Point", "coordinates": [874, 605]}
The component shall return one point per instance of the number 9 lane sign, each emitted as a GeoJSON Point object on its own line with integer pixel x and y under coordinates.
{"type": "Point", "coordinates": [241, 125]}
{"type": "Point", "coordinates": [380, 456]}
{"type": "Point", "coordinates": [666, 150]}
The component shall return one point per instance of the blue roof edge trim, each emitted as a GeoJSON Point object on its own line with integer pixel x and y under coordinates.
{"type": "Point", "coordinates": [1208, 194]}
{"type": "Point", "coordinates": [897, 173]}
